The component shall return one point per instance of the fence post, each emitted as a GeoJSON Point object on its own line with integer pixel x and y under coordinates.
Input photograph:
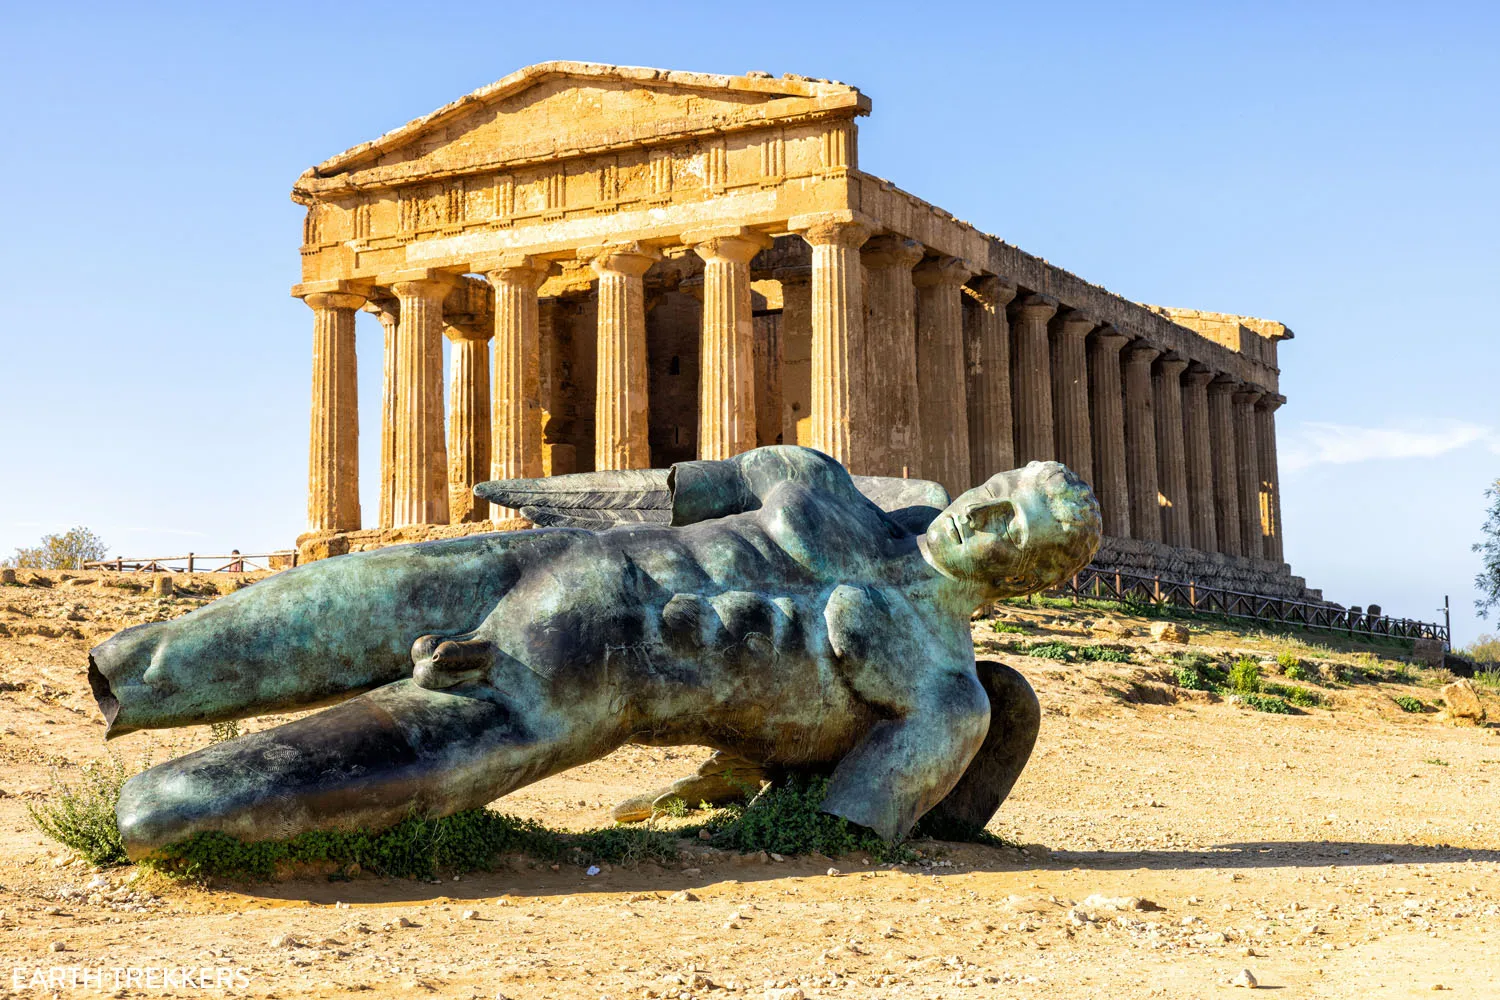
{"type": "Point", "coordinates": [190, 562]}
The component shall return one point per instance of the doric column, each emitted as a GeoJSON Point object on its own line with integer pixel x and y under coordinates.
{"type": "Point", "coordinates": [1070, 393]}
{"type": "Point", "coordinates": [839, 425]}
{"type": "Point", "coordinates": [333, 453]}
{"type": "Point", "coordinates": [1106, 406]}
{"type": "Point", "coordinates": [620, 401]}
{"type": "Point", "coordinates": [1198, 453]}
{"type": "Point", "coordinates": [1226, 475]}
{"type": "Point", "coordinates": [890, 356]}
{"type": "Point", "coordinates": [992, 446]}
{"type": "Point", "coordinates": [726, 373]}
{"type": "Point", "coordinates": [1171, 462]}
{"type": "Point", "coordinates": [796, 353]}
{"type": "Point", "coordinates": [1140, 442]}
{"type": "Point", "coordinates": [421, 487]}
{"type": "Point", "coordinates": [387, 312]}
{"type": "Point", "coordinates": [942, 371]}
{"type": "Point", "coordinates": [468, 421]}
{"type": "Point", "coordinates": [1270, 478]}
{"type": "Point", "coordinates": [516, 428]}
{"type": "Point", "coordinates": [1247, 467]}
{"type": "Point", "coordinates": [1031, 379]}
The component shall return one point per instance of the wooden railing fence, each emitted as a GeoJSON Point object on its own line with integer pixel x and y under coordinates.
{"type": "Point", "coordinates": [193, 562]}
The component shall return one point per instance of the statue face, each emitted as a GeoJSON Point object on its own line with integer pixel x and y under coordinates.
{"type": "Point", "coordinates": [1022, 531]}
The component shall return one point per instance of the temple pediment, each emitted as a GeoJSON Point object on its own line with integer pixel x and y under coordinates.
{"type": "Point", "coordinates": [557, 110]}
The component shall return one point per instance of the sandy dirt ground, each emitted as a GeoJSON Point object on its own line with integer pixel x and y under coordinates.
{"type": "Point", "coordinates": [1172, 840]}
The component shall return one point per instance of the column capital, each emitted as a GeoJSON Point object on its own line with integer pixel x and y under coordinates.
{"type": "Point", "coordinates": [334, 300]}
{"type": "Point", "coordinates": [733, 243]}
{"type": "Point", "coordinates": [363, 287]}
{"type": "Point", "coordinates": [633, 258]}
{"type": "Point", "coordinates": [422, 284]}
{"type": "Point", "coordinates": [1172, 365]}
{"type": "Point", "coordinates": [1224, 384]}
{"type": "Point", "coordinates": [993, 290]}
{"type": "Point", "coordinates": [1110, 338]}
{"type": "Point", "coordinates": [1248, 395]}
{"type": "Point", "coordinates": [891, 250]}
{"type": "Point", "coordinates": [1271, 402]}
{"type": "Point", "coordinates": [942, 270]}
{"type": "Point", "coordinates": [1140, 352]}
{"type": "Point", "coordinates": [1075, 324]}
{"type": "Point", "coordinates": [1037, 306]}
{"type": "Point", "coordinates": [520, 269]}
{"type": "Point", "coordinates": [843, 228]}
{"type": "Point", "coordinates": [1198, 374]}
{"type": "Point", "coordinates": [466, 331]}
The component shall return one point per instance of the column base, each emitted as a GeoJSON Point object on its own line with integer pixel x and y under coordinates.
{"type": "Point", "coordinates": [316, 545]}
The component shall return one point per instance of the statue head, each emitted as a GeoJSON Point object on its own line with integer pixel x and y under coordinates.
{"type": "Point", "coordinates": [1020, 532]}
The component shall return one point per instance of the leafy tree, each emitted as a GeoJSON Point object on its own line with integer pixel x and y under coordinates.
{"type": "Point", "coordinates": [69, 550]}
{"type": "Point", "coordinates": [1488, 580]}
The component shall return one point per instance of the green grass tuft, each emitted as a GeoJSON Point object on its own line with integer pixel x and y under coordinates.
{"type": "Point", "coordinates": [1244, 676]}
{"type": "Point", "coordinates": [1107, 654]}
{"type": "Point", "coordinates": [1299, 696]}
{"type": "Point", "coordinates": [787, 819]}
{"type": "Point", "coordinates": [1266, 703]}
{"type": "Point", "coordinates": [1049, 650]}
{"type": "Point", "coordinates": [81, 815]}
{"type": "Point", "coordinates": [1007, 627]}
{"type": "Point", "coordinates": [1409, 704]}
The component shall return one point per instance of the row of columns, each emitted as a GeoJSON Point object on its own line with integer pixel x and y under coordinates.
{"type": "Point", "coordinates": [901, 385]}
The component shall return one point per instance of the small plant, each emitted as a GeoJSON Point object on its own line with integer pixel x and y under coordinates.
{"type": "Point", "coordinates": [1295, 672]}
{"type": "Point", "coordinates": [1299, 696]}
{"type": "Point", "coordinates": [788, 819]}
{"type": "Point", "coordinates": [1004, 627]}
{"type": "Point", "coordinates": [1266, 703]}
{"type": "Point", "coordinates": [1407, 703]}
{"type": "Point", "coordinates": [673, 805]}
{"type": "Point", "coordinates": [1437, 761]}
{"type": "Point", "coordinates": [1244, 676]}
{"type": "Point", "coordinates": [1487, 678]}
{"type": "Point", "coordinates": [81, 815]}
{"type": "Point", "coordinates": [220, 732]}
{"type": "Point", "coordinates": [1050, 650]}
{"type": "Point", "coordinates": [1106, 654]}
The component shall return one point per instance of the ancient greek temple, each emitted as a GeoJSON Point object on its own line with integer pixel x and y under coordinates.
{"type": "Point", "coordinates": [636, 267]}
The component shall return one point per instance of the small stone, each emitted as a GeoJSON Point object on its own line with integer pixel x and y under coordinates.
{"type": "Point", "coordinates": [1463, 701]}
{"type": "Point", "coordinates": [1387, 858]}
{"type": "Point", "coordinates": [692, 871]}
{"type": "Point", "coordinates": [777, 858]}
{"type": "Point", "coordinates": [757, 858]}
{"type": "Point", "coordinates": [682, 896]}
{"type": "Point", "coordinates": [705, 835]}
{"type": "Point", "coordinates": [834, 871]}
{"type": "Point", "coordinates": [471, 914]}
{"type": "Point", "coordinates": [1246, 979]}
{"type": "Point", "coordinates": [284, 941]}
{"type": "Point", "coordinates": [1169, 632]}
{"type": "Point", "coordinates": [403, 922]}
{"type": "Point", "coordinates": [163, 586]}
{"type": "Point", "coordinates": [57, 946]}
{"type": "Point", "coordinates": [788, 993]}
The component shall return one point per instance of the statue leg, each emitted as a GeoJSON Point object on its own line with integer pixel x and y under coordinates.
{"type": "Point", "coordinates": [905, 766]}
{"type": "Point", "coordinates": [722, 778]}
{"type": "Point", "coordinates": [1015, 717]}
{"type": "Point", "coordinates": [366, 763]}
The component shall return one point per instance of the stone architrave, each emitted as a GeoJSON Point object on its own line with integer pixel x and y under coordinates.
{"type": "Point", "coordinates": [1070, 393]}
{"type": "Point", "coordinates": [839, 423]}
{"type": "Point", "coordinates": [942, 371]}
{"type": "Point", "coordinates": [1171, 460]}
{"type": "Point", "coordinates": [421, 481]}
{"type": "Point", "coordinates": [1031, 379]}
{"type": "Point", "coordinates": [1247, 469]}
{"type": "Point", "coordinates": [620, 403]}
{"type": "Point", "coordinates": [333, 452]}
{"type": "Point", "coordinates": [1198, 455]}
{"type": "Point", "coordinates": [468, 421]}
{"type": "Point", "coordinates": [1140, 441]}
{"type": "Point", "coordinates": [1106, 410]}
{"type": "Point", "coordinates": [516, 427]}
{"type": "Point", "coordinates": [1226, 474]}
{"type": "Point", "coordinates": [387, 312]}
{"type": "Point", "coordinates": [890, 356]}
{"type": "Point", "coordinates": [726, 380]}
{"type": "Point", "coordinates": [992, 445]}
{"type": "Point", "coordinates": [796, 353]}
{"type": "Point", "coordinates": [1270, 478]}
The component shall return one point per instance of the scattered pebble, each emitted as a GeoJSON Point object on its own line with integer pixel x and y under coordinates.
{"type": "Point", "coordinates": [834, 871]}
{"type": "Point", "coordinates": [1246, 979]}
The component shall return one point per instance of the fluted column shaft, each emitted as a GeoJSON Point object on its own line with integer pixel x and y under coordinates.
{"type": "Point", "coordinates": [516, 427]}
{"type": "Point", "coordinates": [421, 486]}
{"type": "Point", "coordinates": [1226, 474]}
{"type": "Point", "coordinates": [468, 422]}
{"type": "Point", "coordinates": [621, 406]}
{"type": "Point", "coordinates": [942, 371]}
{"type": "Point", "coordinates": [992, 446]}
{"type": "Point", "coordinates": [385, 310]}
{"type": "Point", "coordinates": [1031, 380]}
{"type": "Point", "coordinates": [890, 356]}
{"type": "Point", "coordinates": [1070, 394]}
{"type": "Point", "coordinates": [1171, 461]}
{"type": "Point", "coordinates": [839, 421]}
{"type": "Point", "coordinates": [1270, 478]}
{"type": "Point", "coordinates": [1106, 409]}
{"type": "Point", "coordinates": [333, 451]}
{"type": "Point", "coordinates": [1140, 442]}
{"type": "Point", "coordinates": [1247, 468]}
{"type": "Point", "coordinates": [726, 379]}
{"type": "Point", "coordinates": [796, 354]}
{"type": "Point", "coordinates": [1199, 459]}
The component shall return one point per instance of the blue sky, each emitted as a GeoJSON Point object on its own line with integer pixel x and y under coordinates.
{"type": "Point", "coordinates": [1332, 166]}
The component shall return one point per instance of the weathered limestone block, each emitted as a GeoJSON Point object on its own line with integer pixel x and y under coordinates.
{"type": "Point", "coordinates": [1170, 632]}
{"type": "Point", "coordinates": [1463, 701]}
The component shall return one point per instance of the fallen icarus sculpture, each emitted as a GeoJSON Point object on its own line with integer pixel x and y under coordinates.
{"type": "Point", "coordinates": [771, 606]}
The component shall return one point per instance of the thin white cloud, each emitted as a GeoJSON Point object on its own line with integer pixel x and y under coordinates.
{"type": "Point", "coordinates": [1318, 443]}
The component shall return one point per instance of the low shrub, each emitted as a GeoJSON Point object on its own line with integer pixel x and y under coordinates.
{"type": "Point", "coordinates": [1299, 696]}
{"type": "Point", "coordinates": [1004, 627]}
{"type": "Point", "coordinates": [81, 815]}
{"type": "Point", "coordinates": [1106, 654]}
{"type": "Point", "coordinates": [1266, 703]}
{"type": "Point", "coordinates": [1288, 663]}
{"type": "Point", "coordinates": [1244, 676]}
{"type": "Point", "coordinates": [1297, 672]}
{"type": "Point", "coordinates": [1050, 650]}
{"type": "Point", "coordinates": [787, 819]}
{"type": "Point", "coordinates": [1409, 704]}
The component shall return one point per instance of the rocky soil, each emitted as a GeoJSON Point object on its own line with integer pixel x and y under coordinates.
{"type": "Point", "coordinates": [1173, 841]}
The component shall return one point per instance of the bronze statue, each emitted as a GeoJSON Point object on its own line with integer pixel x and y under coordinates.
{"type": "Point", "coordinates": [771, 606]}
